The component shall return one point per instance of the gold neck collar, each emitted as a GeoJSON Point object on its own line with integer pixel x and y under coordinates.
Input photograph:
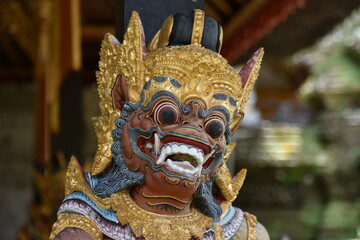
{"type": "Point", "coordinates": [157, 226]}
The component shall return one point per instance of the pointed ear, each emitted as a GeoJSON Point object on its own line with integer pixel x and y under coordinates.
{"type": "Point", "coordinates": [119, 93]}
{"type": "Point", "coordinates": [133, 53]}
{"type": "Point", "coordinates": [249, 74]}
{"type": "Point", "coordinates": [236, 122]}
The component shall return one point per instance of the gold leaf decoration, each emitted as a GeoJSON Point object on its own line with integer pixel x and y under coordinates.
{"type": "Point", "coordinates": [117, 59]}
{"type": "Point", "coordinates": [67, 220]}
{"type": "Point", "coordinates": [75, 181]}
{"type": "Point", "coordinates": [229, 187]}
{"type": "Point", "coordinates": [154, 226]}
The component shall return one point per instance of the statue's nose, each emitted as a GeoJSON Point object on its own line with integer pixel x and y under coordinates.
{"type": "Point", "coordinates": [193, 122]}
{"type": "Point", "coordinates": [193, 118]}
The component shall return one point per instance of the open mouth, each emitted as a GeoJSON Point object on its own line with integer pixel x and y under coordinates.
{"type": "Point", "coordinates": [177, 156]}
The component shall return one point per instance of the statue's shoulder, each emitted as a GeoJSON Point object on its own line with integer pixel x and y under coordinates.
{"type": "Point", "coordinates": [250, 229]}
{"type": "Point", "coordinates": [82, 213]}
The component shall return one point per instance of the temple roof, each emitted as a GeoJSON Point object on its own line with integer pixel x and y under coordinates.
{"type": "Point", "coordinates": [282, 27]}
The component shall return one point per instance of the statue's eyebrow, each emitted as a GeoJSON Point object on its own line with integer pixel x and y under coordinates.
{"type": "Point", "coordinates": [162, 93]}
{"type": "Point", "coordinates": [203, 113]}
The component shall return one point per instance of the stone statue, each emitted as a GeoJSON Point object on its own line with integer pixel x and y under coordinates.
{"type": "Point", "coordinates": [167, 114]}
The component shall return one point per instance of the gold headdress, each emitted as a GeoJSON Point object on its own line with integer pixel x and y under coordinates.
{"type": "Point", "coordinates": [201, 72]}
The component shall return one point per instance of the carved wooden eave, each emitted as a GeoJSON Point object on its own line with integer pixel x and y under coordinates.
{"type": "Point", "coordinates": [256, 19]}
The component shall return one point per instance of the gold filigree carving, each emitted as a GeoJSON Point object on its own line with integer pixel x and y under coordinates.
{"type": "Point", "coordinates": [201, 73]}
{"type": "Point", "coordinates": [115, 59]}
{"type": "Point", "coordinates": [218, 232]}
{"type": "Point", "coordinates": [164, 196]}
{"type": "Point", "coordinates": [229, 186]}
{"type": "Point", "coordinates": [251, 222]}
{"type": "Point", "coordinates": [155, 226]}
{"type": "Point", "coordinates": [67, 220]}
{"type": "Point", "coordinates": [198, 26]}
{"type": "Point", "coordinates": [75, 181]}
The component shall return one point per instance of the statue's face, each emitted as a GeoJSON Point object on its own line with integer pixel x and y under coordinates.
{"type": "Point", "coordinates": [175, 142]}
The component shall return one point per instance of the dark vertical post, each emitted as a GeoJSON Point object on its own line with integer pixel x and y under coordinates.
{"type": "Point", "coordinates": [69, 137]}
{"type": "Point", "coordinates": [119, 19]}
{"type": "Point", "coordinates": [152, 13]}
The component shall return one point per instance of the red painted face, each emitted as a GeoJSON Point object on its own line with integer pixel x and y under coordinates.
{"type": "Point", "coordinates": [177, 149]}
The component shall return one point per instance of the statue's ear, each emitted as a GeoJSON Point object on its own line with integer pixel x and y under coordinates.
{"type": "Point", "coordinates": [126, 61]}
{"type": "Point", "coordinates": [248, 75]}
{"type": "Point", "coordinates": [236, 122]}
{"type": "Point", "coordinates": [119, 93]}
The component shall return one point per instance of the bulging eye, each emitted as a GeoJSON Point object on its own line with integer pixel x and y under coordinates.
{"type": "Point", "coordinates": [166, 113]}
{"type": "Point", "coordinates": [214, 126]}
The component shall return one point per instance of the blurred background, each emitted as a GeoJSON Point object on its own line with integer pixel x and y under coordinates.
{"type": "Point", "coordinates": [300, 139]}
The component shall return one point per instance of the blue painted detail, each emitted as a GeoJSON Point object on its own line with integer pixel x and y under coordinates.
{"type": "Point", "coordinates": [235, 113]}
{"type": "Point", "coordinates": [119, 160]}
{"type": "Point", "coordinates": [202, 113]}
{"type": "Point", "coordinates": [91, 180]}
{"type": "Point", "coordinates": [220, 96]}
{"type": "Point", "coordinates": [227, 135]}
{"type": "Point", "coordinates": [160, 79]}
{"type": "Point", "coordinates": [175, 82]}
{"type": "Point", "coordinates": [222, 109]}
{"type": "Point", "coordinates": [218, 156]}
{"type": "Point", "coordinates": [116, 148]}
{"type": "Point", "coordinates": [228, 216]}
{"type": "Point", "coordinates": [232, 101]}
{"type": "Point", "coordinates": [205, 202]}
{"type": "Point", "coordinates": [227, 131]}
{"type": "Point", "coordinates": [108, 214]}
{"type": "Point", "coordinates": [127, 108]}
{"type": "Point", "coordinates": [120, 122]}
{"type": "Point", "coordinates": [186, 109]}
{"type": "Point", "coordinates": [147, 85]}
{"type": "Point", "coordinates": [116, 133]}
{"type": "Point", "coordinates": [138, 104]}
{"type": "Point", "coordinates": [161, 94]}
{"type": "Point", "coordinates": [125, 113]}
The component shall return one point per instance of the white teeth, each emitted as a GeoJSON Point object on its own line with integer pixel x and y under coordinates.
{"type": "Point", "coordinates": [168, 150]}
{"type": "Point", "coordinates": [157, 144]}
{"type": "Point", "coordinates": [183, 167]}
{"type": "Point", "coordinates": [161, 158]}
{"type": "Point", "coordinates": [192, 151]}
{"type": "Point", "coordinates": [183, 149]}
{"type": "Point", "coordinates": [175, 148]}
{"type": "Point", "coordinates": [199, 157]}
{"type": "Point", "coordinates": [179, 169]}
{"type": "Point", "coordinates": [149, 145]}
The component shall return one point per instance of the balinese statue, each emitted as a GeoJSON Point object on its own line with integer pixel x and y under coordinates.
{"type": "Point", "coordinates": [167, 113]}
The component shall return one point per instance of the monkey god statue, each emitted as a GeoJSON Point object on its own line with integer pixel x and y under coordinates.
{"type": "Point", "coordinates": [167, 115]}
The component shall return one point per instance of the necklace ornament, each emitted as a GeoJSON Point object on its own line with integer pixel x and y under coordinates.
{"type": "Point", "coordinates": [154, 226]}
